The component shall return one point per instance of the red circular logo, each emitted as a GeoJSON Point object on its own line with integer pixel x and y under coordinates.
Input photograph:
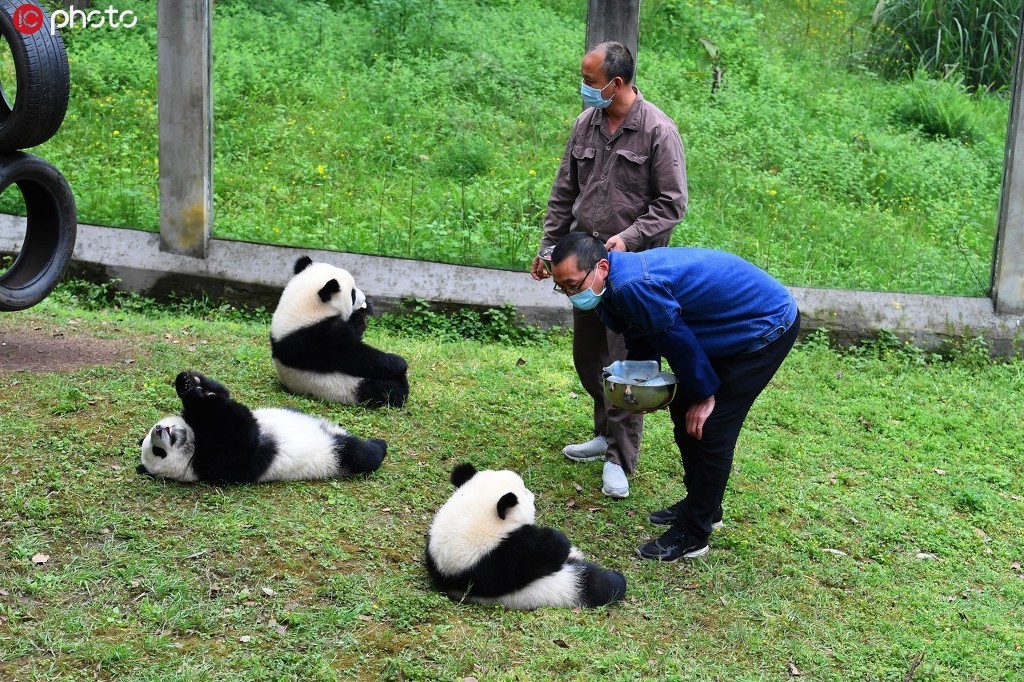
{"type": "Point", "coordinates": [28, 18]}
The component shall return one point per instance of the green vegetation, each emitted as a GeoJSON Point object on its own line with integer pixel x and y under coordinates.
{"type": "Point", "coordinates": [432, 130]}
{"type": "Point", "coordinates": [874, 519]}
{"type": "Point", "coordinates": [975, 38]}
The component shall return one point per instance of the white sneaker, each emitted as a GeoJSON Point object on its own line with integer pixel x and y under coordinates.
{"type": "Point", "coordinates": [615, 482]}
{"type": "Point", "coordinates": [590, 451]}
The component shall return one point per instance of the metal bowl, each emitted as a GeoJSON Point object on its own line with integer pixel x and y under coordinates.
{"type": "Point", "coordinates": [545, 257]}
{"type": "Point", "coordinates": [638, 385]}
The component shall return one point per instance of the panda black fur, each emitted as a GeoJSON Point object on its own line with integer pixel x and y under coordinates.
{"type": "Point", "coordinates": [483, 547]}
{"type": "Point", "coordinates": [218, 440]}
{"type": "Point", "coordinates": [316, 340]}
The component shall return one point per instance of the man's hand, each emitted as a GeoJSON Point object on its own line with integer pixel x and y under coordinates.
{"type": "Point", "coordinates": [615, 244]}
{"type": "Point", "coordinates": [697, 414]}
{"type": "Point", "coordinates": [537, 269]}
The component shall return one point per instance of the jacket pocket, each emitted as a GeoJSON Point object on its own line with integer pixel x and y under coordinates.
{"type": "Point", "coordinates": [631, 172]}
{"type": "Point", "coordinates": [584, 158]}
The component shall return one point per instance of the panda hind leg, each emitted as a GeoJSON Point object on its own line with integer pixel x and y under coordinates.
{"type": "Point", "coordinates": [188, 382]}
{"type": "Point", "coordinates": [358, 456]}
{"type": "Point", "coordinates": [383, 392]}
{"type": "Point", "coordinates": [599, 586]}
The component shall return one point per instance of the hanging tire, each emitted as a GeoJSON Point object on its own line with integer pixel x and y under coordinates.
{"type": "Point", "coordinates": [42, 76]}
{"type": "Point", "coordinates": [51, 227]}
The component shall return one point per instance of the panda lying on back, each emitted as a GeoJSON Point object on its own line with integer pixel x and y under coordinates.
{"type": "Point", "coordinates": [219, 440]}
{"type": "Point", "coordinates": [316, 339]}
{"type": "Point", "coordinates": [483, 547]}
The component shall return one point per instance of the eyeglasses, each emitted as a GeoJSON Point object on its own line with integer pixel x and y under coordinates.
{"type": "Point", "coordinates": [572, 291]}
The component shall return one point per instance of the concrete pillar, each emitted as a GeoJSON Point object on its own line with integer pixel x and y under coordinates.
{"type": "Point", "coordinates": [1008, 268]}
{"type": "Point", "coordinates": [185, 95]}
{"type": "Point", "coordinates": [614, 20]}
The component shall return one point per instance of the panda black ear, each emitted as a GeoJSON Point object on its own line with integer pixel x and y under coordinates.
{"type": "Point", "coordinates": [302, 263]}
{"type": "Point", "coordinates": [328, 290]}
{"type": "Point", "coordinates": [462, 473]}
{"type": "Point", "coordinates": [507, 501]}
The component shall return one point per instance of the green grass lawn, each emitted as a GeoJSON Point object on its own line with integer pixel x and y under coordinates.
{"type": "Point", "coordinates": [432, 130]}
{"type": "Point", "coordinates": [875, 516]}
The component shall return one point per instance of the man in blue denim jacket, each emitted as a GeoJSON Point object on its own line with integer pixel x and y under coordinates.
{"type": "Point", "coordinates": [724, 326]}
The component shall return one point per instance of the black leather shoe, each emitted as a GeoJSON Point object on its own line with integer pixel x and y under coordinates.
{"type": "Point", "coordinates": [669, 515]}
{"type": "Point", "coordinates": [672, 545]}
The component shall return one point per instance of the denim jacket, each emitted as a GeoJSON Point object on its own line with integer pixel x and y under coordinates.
{"type": "Point", "coordinates": [691, 306]}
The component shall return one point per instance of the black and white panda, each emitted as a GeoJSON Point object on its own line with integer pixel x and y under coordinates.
{"type": "Point", "coordinates": [483, 547]}
{"type": "Point", "coordinates": [316, 340]}
{"type": "Point", "coordinates": [219, 440]}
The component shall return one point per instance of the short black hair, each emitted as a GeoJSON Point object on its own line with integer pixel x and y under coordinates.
{"type": "Point", "coordinates": [618, 60]}
{"type": "Point", "coordinates": [588, 249]}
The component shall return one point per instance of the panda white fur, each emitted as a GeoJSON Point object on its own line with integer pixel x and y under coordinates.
{"type": "Point", "coordinates": [316, 341]}
{"type": "Point", "coordinates": [219, 440]}
{"type": "Point", "coordinates": [483, 547]}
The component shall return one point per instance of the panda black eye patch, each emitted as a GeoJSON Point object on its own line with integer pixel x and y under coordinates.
{"type": "Point", "coordinates": [159, 451]}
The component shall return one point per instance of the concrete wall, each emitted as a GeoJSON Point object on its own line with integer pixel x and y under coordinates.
{"type": "Point", "coordinates": [254, 274]}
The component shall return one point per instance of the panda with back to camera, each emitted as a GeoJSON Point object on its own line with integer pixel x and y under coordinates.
{"type": "Point", "coordinates": [483, 547]}
{"type": "Point", "coordinates": [316, 341]}
{"type": "Point", "coordinates": [219, 440]}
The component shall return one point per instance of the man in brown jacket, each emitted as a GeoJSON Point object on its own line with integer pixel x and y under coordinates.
{"type": "Point", "coordinates": [623, 180]}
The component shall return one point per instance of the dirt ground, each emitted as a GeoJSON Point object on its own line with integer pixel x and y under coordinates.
{"type": "Point", "coordinates": [44, 349]}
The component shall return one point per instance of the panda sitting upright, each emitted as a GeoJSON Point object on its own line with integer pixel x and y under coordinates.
{"type": "Point", "coordinates": [316, 341]}
{"type": "Point", "coordinates": [482, 547]}
{"type": "Point", "coordinates": [219, 440]}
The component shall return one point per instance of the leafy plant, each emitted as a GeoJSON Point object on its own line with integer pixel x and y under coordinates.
{"type": "Point", "coordinates": [940, 108]}
{"type": "Point", "coordinates": [977, 38]}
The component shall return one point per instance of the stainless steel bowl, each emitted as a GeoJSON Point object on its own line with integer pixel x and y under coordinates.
{"type": "Point", "coordinates": [545, 257]}
{"type": "Point", "coordinates": [639, 385]}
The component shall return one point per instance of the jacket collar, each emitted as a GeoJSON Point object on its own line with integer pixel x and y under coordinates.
{"type": "Point", "coordinates": [632, 120]}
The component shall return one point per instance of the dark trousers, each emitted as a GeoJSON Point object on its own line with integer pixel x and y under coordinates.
{"type": "Point", "coordinates": [707, 462]}
{"type": "Point", "coordinates": [594, 347]}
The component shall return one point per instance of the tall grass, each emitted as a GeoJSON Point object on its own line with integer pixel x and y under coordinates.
{"type": "Point", "coordinates": [433, 130]}
{"type": "Point", "coordinates": [974, 38]}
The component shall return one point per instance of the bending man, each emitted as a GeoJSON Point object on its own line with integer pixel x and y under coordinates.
{"type": "Point", "coordinates": [724, 326]}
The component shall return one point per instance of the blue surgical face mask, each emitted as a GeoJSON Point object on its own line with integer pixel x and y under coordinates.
{"type": "Point", "coordinates": [586, 299]}
{"type": "Point", "coordinates": [592, 96]}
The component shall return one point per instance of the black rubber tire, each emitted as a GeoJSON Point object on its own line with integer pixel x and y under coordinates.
{"type": "Point", "coordinates": [52, 225]}
{"type": "Point", "coordinates": [43, 82]}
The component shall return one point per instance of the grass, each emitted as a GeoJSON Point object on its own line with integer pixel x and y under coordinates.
{"type": "Point", "coordinates": [420, 129]}
{"type": "Point", "coordinates": [905, 462]}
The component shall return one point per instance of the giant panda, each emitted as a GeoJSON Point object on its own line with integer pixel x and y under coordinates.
{"type": "Point", "coordinates": [219, 440]}
{"type": "Point", "coordinates": [483, 547]}
{"type": "Point", "coordinates": [316, 341]}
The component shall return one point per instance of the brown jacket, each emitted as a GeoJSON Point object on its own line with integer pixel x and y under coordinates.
{"type": "Point", "coordinates": [631, 184]}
